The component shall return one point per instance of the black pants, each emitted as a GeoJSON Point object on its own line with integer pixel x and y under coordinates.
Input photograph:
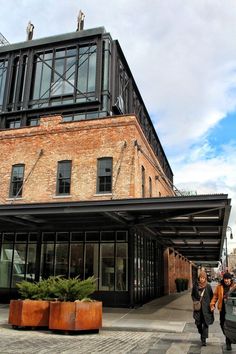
{"type": "Point", "coordinates": [222, 321]}
{"type": "Point", "coordinates": [203, 327]}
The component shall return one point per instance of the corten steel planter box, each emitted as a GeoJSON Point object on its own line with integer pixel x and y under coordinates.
{"type": "Point", "coordinates": [75, 316]}
{"type": "Point", "coordinates": [29, 313]}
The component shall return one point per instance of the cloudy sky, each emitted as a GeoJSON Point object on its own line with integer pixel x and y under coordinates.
{"type": "Point", "coordinates": [182, 54]}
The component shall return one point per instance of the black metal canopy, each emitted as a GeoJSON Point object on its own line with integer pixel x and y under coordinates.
{"type": "Point", "coordinates": [195, 226]}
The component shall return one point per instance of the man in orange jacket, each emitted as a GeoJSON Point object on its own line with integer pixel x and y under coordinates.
{"type": "Point", "coordinates": [219, 295]}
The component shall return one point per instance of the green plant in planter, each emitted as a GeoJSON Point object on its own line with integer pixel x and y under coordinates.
{"type": "Point", "coordinates": [27, 290]}
{"type": "Point", "coordinates": [42, 290]}
{"type": "Point", "coordinates": [73, 289]}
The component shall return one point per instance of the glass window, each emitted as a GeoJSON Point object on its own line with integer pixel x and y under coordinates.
{"type": "Point", "coordinates": [47, 259]}
{"type": "Point", "coordinates": [76, 260]}
{"type": "Point", "coordinates": [31, 262]}
{"type": "Point", "coordinates": [121, 236]}
{"type": "Point", "coordinates": [91, 260]}
{"type": "Point", "coordinates": [107, 270]}
{"type": "Point", "coordinates": [5, 265]}
{"type": "Point", "coordinates": [21, 237]}
{"type": "Point", "coordinates": [64, 177]}
{"type": "Point", "coordinates": [42, 75]}
{"type": "Point", "coordinates": [77, 236]}
{"type": "Point", "coordinates": [121, 267]}
{"type": "Point", "coordinates": [61, 261]}
{"type": "Point", "coordinates": [17, 177]}
{"type": "Point", "coordinates": [104, 175]}
{"type": "Point", "coordinates": [8, 237]}
{"type": "Point", "coordinates": [92, 236]}
{"type": "Point", "coordinates": [108, 236]}
{"type": "Point", "coordinates": [13, 124]}
{"type": "Point", "coordinates": [19, 263]}
{"type": "Point", "coordinates": [63, 236]}
{"type": "Point", "coordinates": [3, 74]}
{"type": "Point", "coordinates": [15, 73]}
{"type": "Point", "coordinates": [63, 76]}
{"type": "Point", "coordinates": [33, 121]}
{"type": "Point", "coordinates": [87, 69]}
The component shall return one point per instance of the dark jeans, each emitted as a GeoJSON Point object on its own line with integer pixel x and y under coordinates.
{"type": "Point", "coordinates": [203, 328]}
{"type": "Point", "coordinates": [222, 321]}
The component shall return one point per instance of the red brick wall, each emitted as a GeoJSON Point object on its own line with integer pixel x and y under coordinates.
{"type": "Point", "coordinates": [176, 266]}
{"type": "Point", "coordinates": [82, 142]}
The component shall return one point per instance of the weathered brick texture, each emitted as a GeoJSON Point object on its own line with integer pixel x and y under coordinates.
{"type": "Point", "coordinates": [83, 143]}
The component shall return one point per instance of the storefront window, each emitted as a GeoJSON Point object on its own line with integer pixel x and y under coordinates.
{"type": "Point", "coordinates": [76, 260]}
{"type": "Point", "coordinates": [61, 262]}
{"type": "Point", "coordinates": [5, 265]}
{"type": "Point", "coordinates": [121, 267]}
{"type": "Point", "coordinates": [18, 270]}
{"type": "Point", "coordinates": [107, 267]}
{"type": "Point", "coordinates": [31, 259]}
{"type": "Point", "coordinates": [91, 260]}
{"type": "Point", "coordinates": [47, 260]}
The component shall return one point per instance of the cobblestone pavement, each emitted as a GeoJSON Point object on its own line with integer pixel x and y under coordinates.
{"type": "Point", "coordinates": [23, 341]}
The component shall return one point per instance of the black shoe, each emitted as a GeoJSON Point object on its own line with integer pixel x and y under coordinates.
{"type": "Point", "coordinates": [203, 342]}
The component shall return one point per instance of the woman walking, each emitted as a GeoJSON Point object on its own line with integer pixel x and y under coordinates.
{"type": "Point", "coordinates": [220, 294]}
{"type": "Point", "coordinates": [204, 317]}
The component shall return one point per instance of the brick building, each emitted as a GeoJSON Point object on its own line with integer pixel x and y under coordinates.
{"type": "Point", "coordinates": [86, 187]}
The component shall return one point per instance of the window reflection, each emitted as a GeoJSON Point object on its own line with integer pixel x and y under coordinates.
{"type": "Point", "coordinates": [19, 263]}
{"type": "Point", "coordinates": [76, 260]}
{"type": "Point", "coordinates": [62, 73]}
{"type": "Point", "coordinates": [47, 260]}
{"type": "Point", "coordinates": [5, 265]}
{"type": "Point", "coordinates": [31, 259]}
{"type": "Point", "coordinates": [3, 74]}
{"type": "Point", "coordinates": [121, 267]}
{"type": "Point", "coordinates": [61, 262]}
{"type": "Point", "coordinates": [91, 260]}
{"type": "Point", "coordinates": [107, 267]}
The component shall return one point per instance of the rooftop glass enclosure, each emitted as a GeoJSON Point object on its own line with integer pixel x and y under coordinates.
{"type": "Point", "coordinates": [80, 75]}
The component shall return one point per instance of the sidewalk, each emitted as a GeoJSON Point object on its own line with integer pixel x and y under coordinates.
{"type": "Point", "coordinates": [162, 326]}
{"type": "Point", "coordinates": [168, 314]}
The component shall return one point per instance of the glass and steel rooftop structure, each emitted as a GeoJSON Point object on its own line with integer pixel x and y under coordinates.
{"type": "Point", "coordinates": [79, 75]}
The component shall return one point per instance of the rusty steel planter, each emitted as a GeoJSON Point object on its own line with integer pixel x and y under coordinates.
{"type": "Point", "coordinates": [29, 313]}
{"type": "Point", "coordinates": [75, 316]}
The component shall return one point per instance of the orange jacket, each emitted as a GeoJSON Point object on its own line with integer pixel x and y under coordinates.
{"type": "Point", "coordinates": [219, 296]}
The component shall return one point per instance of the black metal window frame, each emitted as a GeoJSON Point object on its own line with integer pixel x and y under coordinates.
{"type": "Point", "coordinates": [17, 180]}
{"type": "Point", "coordinates": [104, 175]}
{"type": "Point", "coordinates": [3, 75]}
{"type": "Point", "coordinates": [64, 177]}
{"type": "Point", "coordinates": [57, 72]}
{"type": "Point", "coordinates": [19, 72]}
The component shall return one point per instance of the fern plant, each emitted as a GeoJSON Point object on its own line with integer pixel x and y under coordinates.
{"type": "Point", "coordinates": [27, 290]}
{"type": "Point", "coordinates": [58, 288]}
{"type": "Point", "coordinates": [73, 289]}
{"type": "Point", "coordinates": [42, 290]}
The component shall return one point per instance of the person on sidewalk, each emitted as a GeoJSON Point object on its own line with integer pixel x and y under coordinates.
{"type": "Point", "coordinates": [220, 294]}
{"type": "Point", "coordinates": [204, 317]}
